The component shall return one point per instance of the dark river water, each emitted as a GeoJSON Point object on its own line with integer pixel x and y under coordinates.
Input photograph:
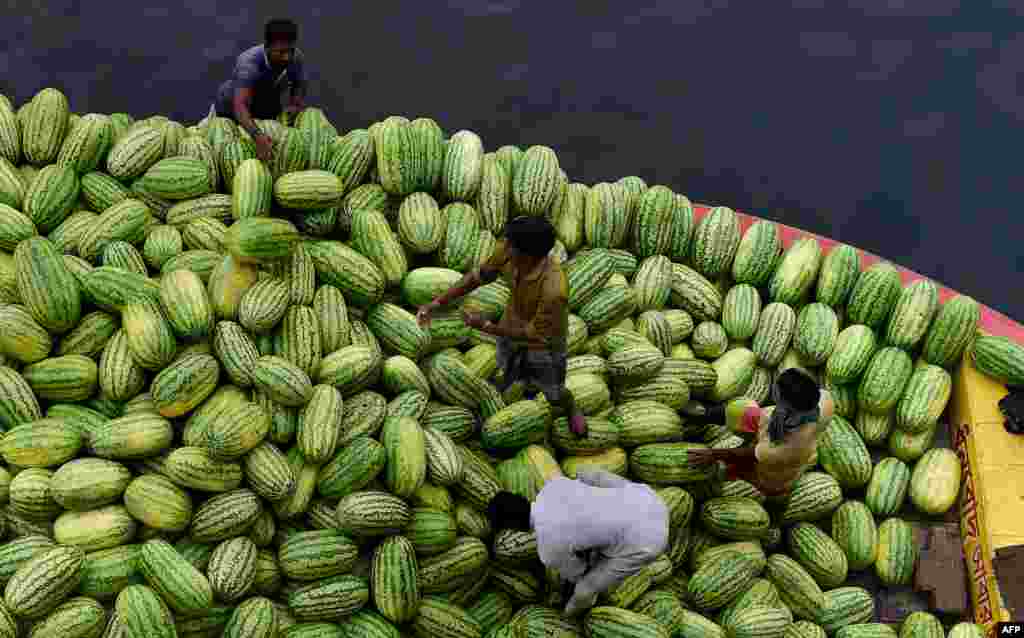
{"type": "Point", "coordinates": [893, 125]}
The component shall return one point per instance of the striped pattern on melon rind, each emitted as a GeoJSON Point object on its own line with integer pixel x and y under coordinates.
{"type": "Point", "coordinates": [68, 378]}
{"type": "Point", "coordinates": [144, 613]}
{"type": "Point", "coordinates": [317, 554]}
{"type": "Point", "coordinates": [319, 425]}
{"type": "Point", "coordinates": [372, 513]}
{"type": "Point", "coordinates": [796, 272]}
{"type": "Point", "coordinates": [43, 581]}
{"type": "Point", "coordinates": [215, 205]}
{"type": "Point", "coordinates": [18, 404]}
{"type": "Point", "coordinates": [735, 517]}
{"type": "Point", "coordinates": [310, 189]}
{"type": "Point", "coordinates": [998, 357]}
{"type": "Point", "coordinates": [613, 622]}
{"type": "Point", "coordinates": [185, 589]}
{"type": "Point", "coordinates": [121, 221]}
{"type": "Point", "coordinates": [845, 606]}
{"type": "Point", "coordinates": [421, 227]}
{"type": "Point", "coordinates": [912, 314]}
{"type": "Point", "coordinates": [65, 237]}
{"type": "Point", "coordinates": [536, 183]}
{"type": "Point", "coordinates": [352, 158]}
{"type": "Point", "coordinates": [393, 580]}
{"type": "Point", "coordinates": [839, 272]}
{"type": "Point", "coordinates": [897, 552]}
{"type": "Point", "coordinates": [282, 380]}
{"type": "Point", "coordinates": [887, 490]}
{"type": "Point", "coordinates": [131, 436]}
{"type": "Point", "coordinates": [954, 326]}
{"type": "Point", "coordinates": [51, 196]}
{"type": "Point", "coordinates": [741, 310]}
{"type": "Point", "coordinates": [236, 351]}
{"type": "Point", "coordinates": [224, 516]}
{"type": "Point", "coordinates": [85, 147]}
{"type": "Point", "coordinates": [45, 126]}
{"type": "Point", "coordinates": [605, 223]}
{"type": "Point", "coordinates": [874, 295]}
{"type": "Point", "coordinates": [854, 530]}
{"type": "Point", "coordinates": [437, 617]}
{"type": "Point", "coordinates": [372, 236]}
{"type": "Point", "coordinates": [924, 399]}
{"type": "Point", "coordinates": [692, 292]}
{"type": "Point", "coordinates": [133, 154]}
{"type": "Point", "coordinates": [196, 469]}
{"type": "Point", "coordinates": [22, 338]}
{"type": "Point", "coordinates": [101, 191]}
{"type": "Point", "coordinates": [655, 222]}
{"type": "Point", "coordinates": [814, 496]}
{"type": "Point", "coordinates": [818, 554]}
{"type": "Point", "coordinates": [463, 164]}
{"type": "Point", "coordinates": [329, 599]}
{"type": "Point", "coordinates": [715, 242]}
{"type": "Point", "coordinates": [588, 274]}
{"type": "Point", "coordinates": [797, 588]}
{"type": "Point", "coordinates": [113, 289]}
{"type": "Point", "coordinates": [843, 454]}
{"type": "Point", "coordinates": [232, 568]}
{"type": "Point", "coordinates": [814, 338]}
{"type": "Point", "coordinates": [268, 471]}
{"type": "Point", "coordinates": [715, 584]}
{"type": "Point", "coordinates": [757, 254]}
{"type": "Point", "coordinates": [356, 276]}
{"type": "Point", "coordinates": [884, 380]}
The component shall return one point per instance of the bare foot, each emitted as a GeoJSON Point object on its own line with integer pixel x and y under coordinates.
{"type": "Point", "coordinates": [578, 425]}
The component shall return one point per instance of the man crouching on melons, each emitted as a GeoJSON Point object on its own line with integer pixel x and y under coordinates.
{"type": "Point", "coordinates": [260, 75]}
{"type": "Point", "coordinates": [532, 330]}
{"type": "Point", "coordinates": [785, 436]}
{"type": "Point", "coordinates": [595, 531]}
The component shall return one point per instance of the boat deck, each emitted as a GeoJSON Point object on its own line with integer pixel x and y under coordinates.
{"type": "Point", "coordinates": [990, 516]}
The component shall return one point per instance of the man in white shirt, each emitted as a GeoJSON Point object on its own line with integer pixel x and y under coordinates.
{"type": "Point", "coordinates": [595, 531]}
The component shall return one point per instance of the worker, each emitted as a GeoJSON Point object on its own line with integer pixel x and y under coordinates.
{"type": "Point", "coordinates": [595, 531]}
{"type": "Point", "coordinates": [531, 335]}
{"type": "Point", "coordinates": [785, 436]}
{"type": "Point", "coordinates": [261, 74]}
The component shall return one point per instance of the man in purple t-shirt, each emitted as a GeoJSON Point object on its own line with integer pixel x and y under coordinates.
{"type": "Point", "coordinates": [261, 74]}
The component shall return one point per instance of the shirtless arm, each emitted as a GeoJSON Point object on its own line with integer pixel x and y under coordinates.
{"type": "Point", "coordinates": [485, 274]}
{"type": "Point", "coordinates": [242, 101]}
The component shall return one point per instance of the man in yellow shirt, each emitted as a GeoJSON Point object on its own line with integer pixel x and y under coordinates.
{"type": "Point", "coordinates": [785, 436]}
{"type": "Point", "coordinates": [531, 334]}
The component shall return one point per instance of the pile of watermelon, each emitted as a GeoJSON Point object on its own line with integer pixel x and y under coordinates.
{"type": "Point", "coordinates": [221, 417]}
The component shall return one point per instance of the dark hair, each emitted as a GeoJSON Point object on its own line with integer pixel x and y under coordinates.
{"type": "Point", "coordinates": [798, 389]}
{"type": "Point", "coordinates": [534, 236]}
{"type": "Point", "coordinates": [509, 511]}
{"type": "Point", "coordinates": [280, 30]}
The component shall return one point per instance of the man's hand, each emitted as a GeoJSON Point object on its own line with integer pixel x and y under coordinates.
{"type": "Point", "coordinates": [474, 320]}
{"type": "Point", "coordinates": [702, 457]}
{"type": "Point", "coordinates": [264, 147]}
{"type": "Point", "coordinates": [424, 314]}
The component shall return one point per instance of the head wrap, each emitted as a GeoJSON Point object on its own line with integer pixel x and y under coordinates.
{"type": "Point", "coordinates": [786, 419]}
